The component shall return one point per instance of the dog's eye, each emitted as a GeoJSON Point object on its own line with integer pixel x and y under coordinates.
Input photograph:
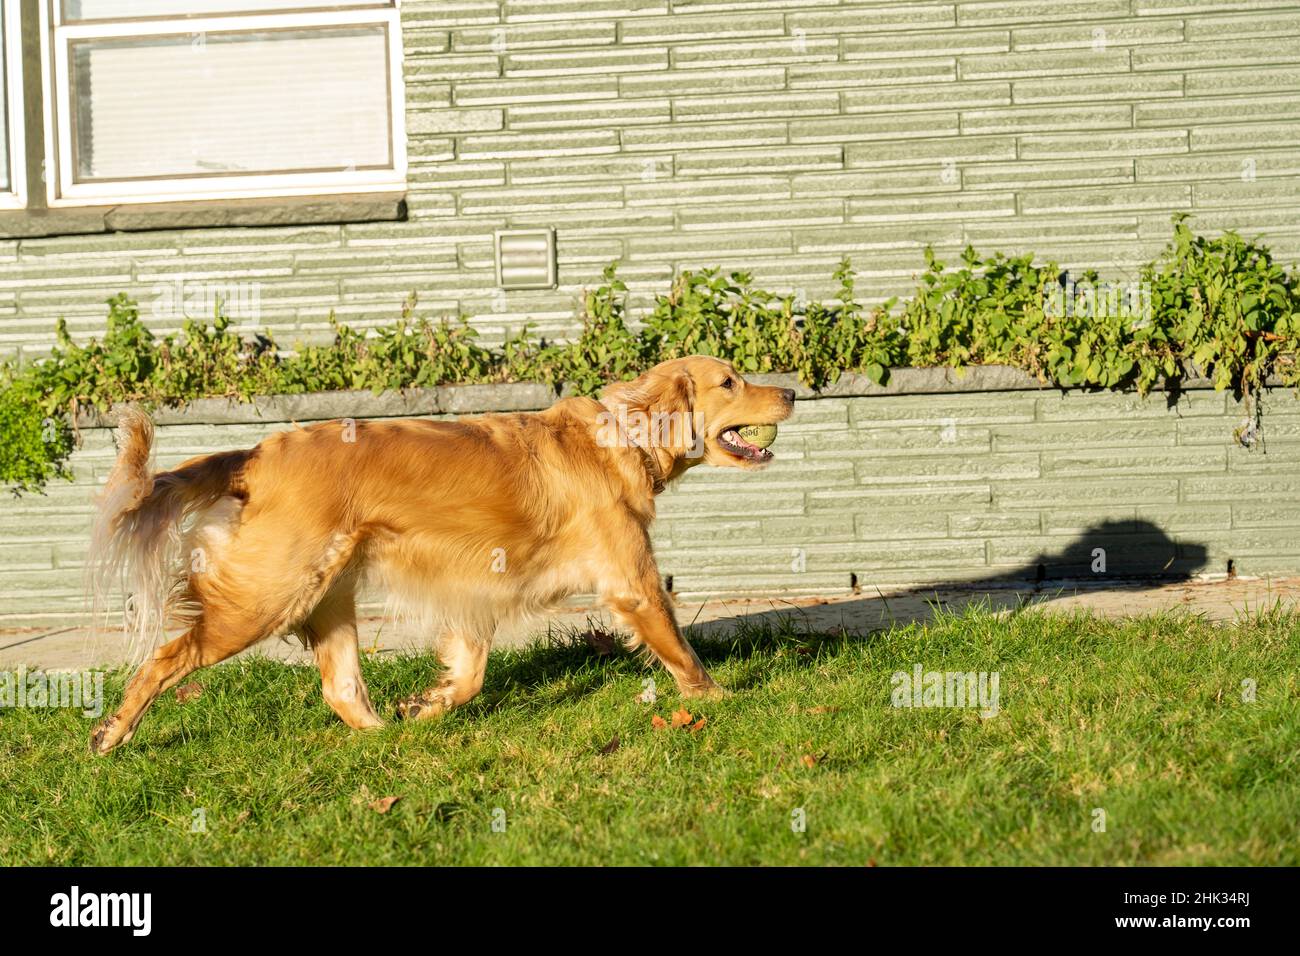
{"type": "Point", "coordinates": [727, 383]}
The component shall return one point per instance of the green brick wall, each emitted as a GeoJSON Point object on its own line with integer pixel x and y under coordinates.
{"type": "Point", "coordinates": [774, 136]}
{"type": "Point", "coordinates": [978, 487]}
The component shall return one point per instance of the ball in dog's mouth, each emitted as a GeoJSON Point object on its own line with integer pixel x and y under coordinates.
{"type": "Point", "coordinates": [749, 441]}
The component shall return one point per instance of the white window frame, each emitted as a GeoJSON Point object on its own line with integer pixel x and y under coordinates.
{"type": "Point", "coordinates": [15, 197]}
{"type": "Point", "coordinates": [56, 38]}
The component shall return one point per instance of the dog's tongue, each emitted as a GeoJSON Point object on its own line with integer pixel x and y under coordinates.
{"type": "Point", "coordinates": [751, 450]}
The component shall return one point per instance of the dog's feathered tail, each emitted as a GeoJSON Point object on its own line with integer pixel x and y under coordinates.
{"type": "Point", "coordinates": [139, 533]}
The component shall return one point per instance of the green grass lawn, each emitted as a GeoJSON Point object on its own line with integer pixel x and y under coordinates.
{"type": "Point", "coordinates": [1142, 718]}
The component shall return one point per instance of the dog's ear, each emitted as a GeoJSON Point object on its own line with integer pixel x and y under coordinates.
{"type": "Point", "coordinates": [671, 393]}
{"type": "Point", "coordinates": [657, 409]}
{"type": "Point", "coordinates": [654, 391]}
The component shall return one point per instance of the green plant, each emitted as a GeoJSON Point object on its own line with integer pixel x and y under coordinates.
{"type": "Point", "coordinates": [1234, 313]}
{"type": "Point", "coordinates": [605, 349]}
{"type": "Point", "coordinates": [1216, 306]}
{"type": "Point", "coordinates": [36, 444]}
{"type": "Point", "coordinates": [412, 353]}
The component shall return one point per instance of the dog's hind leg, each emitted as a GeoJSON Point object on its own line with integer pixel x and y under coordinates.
{"type": "Point", "coordinates": [198, 647]}
{"type": "Point", "coordinates": [264, 583]}
{"type": "Point", "coordinates": [464, 653]}
{"type": "Point", "coordinates": [332, 632]}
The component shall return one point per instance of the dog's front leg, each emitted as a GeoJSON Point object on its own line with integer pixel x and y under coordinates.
{"type": "Point", "coordinates": [464, 653]}
{"type": "Point", "coordinates": [646, 609]}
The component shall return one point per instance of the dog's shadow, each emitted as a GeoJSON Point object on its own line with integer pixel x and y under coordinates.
{"type": "Point", "coordinates": [1116, 555]}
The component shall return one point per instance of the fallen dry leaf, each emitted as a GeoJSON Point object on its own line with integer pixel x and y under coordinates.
{"type": "Point", "coordinates": [610, 747]}
{"type": "Point", "coordinates": [383, 804]}
{"type": "Point", "coordinates": [698, 724]}
{"type": "Point", "coordinates": [189, 691]}
{"type": "Point", "coordinates": [809, 761]}
{"type": "Point", "coordinates": [601, 641]}
{"type": "Point", "coordinates": [658, 723]}
{"type": "Point", "coordinates": [682, 717]}
{"type": "Point", "coordinates": [822, 710]}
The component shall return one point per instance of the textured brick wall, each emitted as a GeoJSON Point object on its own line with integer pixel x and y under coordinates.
{"type": "Point", "coordinates": [976, 488]}
{"type": "Point", "coordinates": [770, 135]}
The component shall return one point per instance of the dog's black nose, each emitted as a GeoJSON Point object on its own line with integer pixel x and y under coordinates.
{"type": "Point", "coordinates": [788, 395]}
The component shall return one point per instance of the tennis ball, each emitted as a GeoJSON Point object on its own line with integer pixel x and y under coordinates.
{"type": "Point", "coordinates": [760, 435]}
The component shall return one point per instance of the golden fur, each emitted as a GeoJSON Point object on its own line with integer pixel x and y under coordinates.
{"type": "Point", "coordinates": [467, 523]}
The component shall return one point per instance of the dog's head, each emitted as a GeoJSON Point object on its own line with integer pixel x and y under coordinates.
{"type": "Point", "coordinates": [689, 410]}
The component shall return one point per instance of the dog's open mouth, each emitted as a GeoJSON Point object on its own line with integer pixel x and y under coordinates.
{"type": "Point", "coordinates": [732, 443]}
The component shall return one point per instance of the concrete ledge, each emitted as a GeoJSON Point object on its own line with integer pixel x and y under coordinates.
{"type": "Point", "coordinates": [322, 406]}
{"type": "Point", "coordinates": [142, 217]}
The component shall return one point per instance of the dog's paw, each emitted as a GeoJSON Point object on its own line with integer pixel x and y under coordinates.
{"type": "Point", "coordinates": [422, 706]}
{"type": "Point", "coordinates": [104, 737]}
{"type": "Point", "coordinates": [708, 691]}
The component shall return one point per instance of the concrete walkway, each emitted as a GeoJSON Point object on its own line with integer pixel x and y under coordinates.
{"type": "Point", "coordinates": [75, 648]}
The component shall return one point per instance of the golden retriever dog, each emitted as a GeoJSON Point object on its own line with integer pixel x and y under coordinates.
{"type": "Point", "coordinates": [467, 524]}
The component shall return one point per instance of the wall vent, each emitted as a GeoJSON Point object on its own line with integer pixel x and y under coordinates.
{"type": "Point", "coordinates": [526, 259]}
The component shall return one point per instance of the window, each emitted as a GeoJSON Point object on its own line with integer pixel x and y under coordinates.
{"type": "Point", "coordinates": [154, 100]}
{"type": "Point", "coordinates": [13, 177]}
